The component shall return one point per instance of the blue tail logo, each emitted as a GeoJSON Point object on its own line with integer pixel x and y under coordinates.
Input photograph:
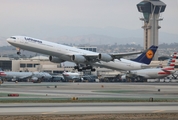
{"type": "Point", "coordinates": [147, 56]}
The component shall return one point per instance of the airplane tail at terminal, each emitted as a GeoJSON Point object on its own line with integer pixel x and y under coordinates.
{"type": "Point", "coordinates": [147, 56]}
{"type": "Point", "coordinates": [171, 64]}
{"type": "Point", "coordinates": [2, 74]}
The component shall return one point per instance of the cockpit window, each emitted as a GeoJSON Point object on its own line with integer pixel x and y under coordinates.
{"type": "Point", "coordinates": [13, 37]}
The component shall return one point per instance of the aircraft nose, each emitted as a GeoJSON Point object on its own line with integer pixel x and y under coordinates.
{"type": "Point", "coordinates": [9, 40]}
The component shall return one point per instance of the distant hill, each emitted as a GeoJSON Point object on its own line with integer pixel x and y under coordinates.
{"type": "Point", "coordinates": [94, 36]}
{"type": "Point", "coordinates": [164, 49]}
{"type": "Point", "coordinates": [11, 52]}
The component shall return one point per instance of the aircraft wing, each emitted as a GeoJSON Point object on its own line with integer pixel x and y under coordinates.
{"type": "Point", "coordinates": [107, 57]}
{"type": "Point", "coordinates": [133, 74]}
{"type": "Point", "coordinates": [136, 74]}
{"type": "Point", "coordinates": [176, 72]}
{"type": "Point", "coordinates": [143, 75]}
{"type": "Point", "coordinates": [168, 70]}
{"type": "Point", "coordinates": [92, 58]}
{"type": "Point", "coordinates": [23, 77]}
{"type": "Point", "coordinates": [121, 55]}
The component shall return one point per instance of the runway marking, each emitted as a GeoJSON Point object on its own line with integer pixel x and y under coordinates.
{"type": "Point", "coordinates": [49, 112]}
{"type": "Point", "coordinates": [158, 111]}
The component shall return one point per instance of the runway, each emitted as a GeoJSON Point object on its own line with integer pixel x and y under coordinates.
{"type": "Point", "coordinates": [119, 97]}
{"type": "Point", "coordinates": [91, 90]}
{"type": "Point", "coordinates": [86, 108]}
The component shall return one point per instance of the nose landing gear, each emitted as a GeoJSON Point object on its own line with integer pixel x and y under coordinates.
{"type": "Point", "coordinates": [18, 51]}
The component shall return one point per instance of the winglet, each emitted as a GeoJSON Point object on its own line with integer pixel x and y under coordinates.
{"type": "Point", "coordinates": [147, 56]}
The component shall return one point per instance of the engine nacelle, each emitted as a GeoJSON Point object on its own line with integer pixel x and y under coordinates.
{"type": "Point", "coordinates": [55, 59]}
{"type": "Point", "coordinates": [105, 57]}
{"type": "Point", "coordinates": [13, 78]}
{"type": "Point", "coordinates": [78, 58]}
{"type": "Point", "coordinates": [34, 78]}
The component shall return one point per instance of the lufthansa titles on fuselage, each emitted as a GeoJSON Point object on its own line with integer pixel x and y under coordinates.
{"type": "Point", "coordinates": [33, 40]}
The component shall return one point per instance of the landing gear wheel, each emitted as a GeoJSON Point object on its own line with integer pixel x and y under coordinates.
{"type": "Point", "coordinates": [18, 53]}
{"type": "Point", "coordinates": [80, 70]}
{"type": "Point", "coordinates": [84, 68]}
{"type": "Point", "coordinates": [138, 79]}
{"type": "Point", "coordinates": [76, 67]}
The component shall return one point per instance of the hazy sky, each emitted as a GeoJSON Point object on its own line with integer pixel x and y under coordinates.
{"type": "Point", "coordinates": [32, 17]}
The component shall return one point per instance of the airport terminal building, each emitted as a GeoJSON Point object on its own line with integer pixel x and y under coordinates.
{"type": "Point", "coordinates": [42, 63]}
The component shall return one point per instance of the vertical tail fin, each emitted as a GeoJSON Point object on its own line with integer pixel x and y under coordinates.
{"type": "Point", "coordinates": [147, 56]}
{"type": "Point", "coordinates": [171, 63]}
{"type": "Point", "coordinates": [2, 74]}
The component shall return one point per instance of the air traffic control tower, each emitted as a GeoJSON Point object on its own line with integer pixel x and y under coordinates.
{"type": "Point", "coordinates": [151, 10]}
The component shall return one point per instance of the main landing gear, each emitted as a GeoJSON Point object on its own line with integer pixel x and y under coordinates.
{"type": "Point", "coordinates": [84, 68]}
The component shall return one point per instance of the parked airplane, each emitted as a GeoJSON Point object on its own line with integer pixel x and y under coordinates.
{"type": "Point", "coordinates": [59, 53]}
{"type": "Point", "coordinates": [34, 76]}
{"type": "Point", "coordinates": [79, 78]}
{"type": "Point", "coordinates": [40, 76]}
{"type": "Point", "coordinates": [152, 73]}
{"type": "Point", "coordinates": [71, 76]}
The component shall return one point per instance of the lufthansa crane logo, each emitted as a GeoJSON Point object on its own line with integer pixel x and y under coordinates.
{"type": "Point", "coordinates": [149, 54]}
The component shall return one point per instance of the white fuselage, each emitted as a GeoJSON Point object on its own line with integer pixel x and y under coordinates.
{"type": "Point", "coordinates": [122, 64]}
{"type": "Point", "coordinates": [70, 75]}
{"type": "Point", "coordinates": [65, 52]}
{"type": "Point", "coordinates": [23, 75]}
{"type": "Point", "coordinates": [15, 75]}
{"type": "Point", "coordinates": [151, 73]}
{"type": "Point", "coordinates": [49, 48]}
{"type": "Point", "coordinates": [38, 75]}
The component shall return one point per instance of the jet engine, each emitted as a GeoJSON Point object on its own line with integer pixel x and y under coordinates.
{"type": "Point", "coordinates": [34, 78]}
{"type": "Point", "coordinates": [13, 79]}
{"type": "Point", "coordinates": [78, 58]}
{"type": "Point", "coordinates": [105, 57]}
{"type": "Point", "coordinates": [55, 59]}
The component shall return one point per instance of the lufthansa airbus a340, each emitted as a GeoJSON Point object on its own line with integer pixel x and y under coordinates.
{"type": "Point", "coordinates": [59, 53]}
